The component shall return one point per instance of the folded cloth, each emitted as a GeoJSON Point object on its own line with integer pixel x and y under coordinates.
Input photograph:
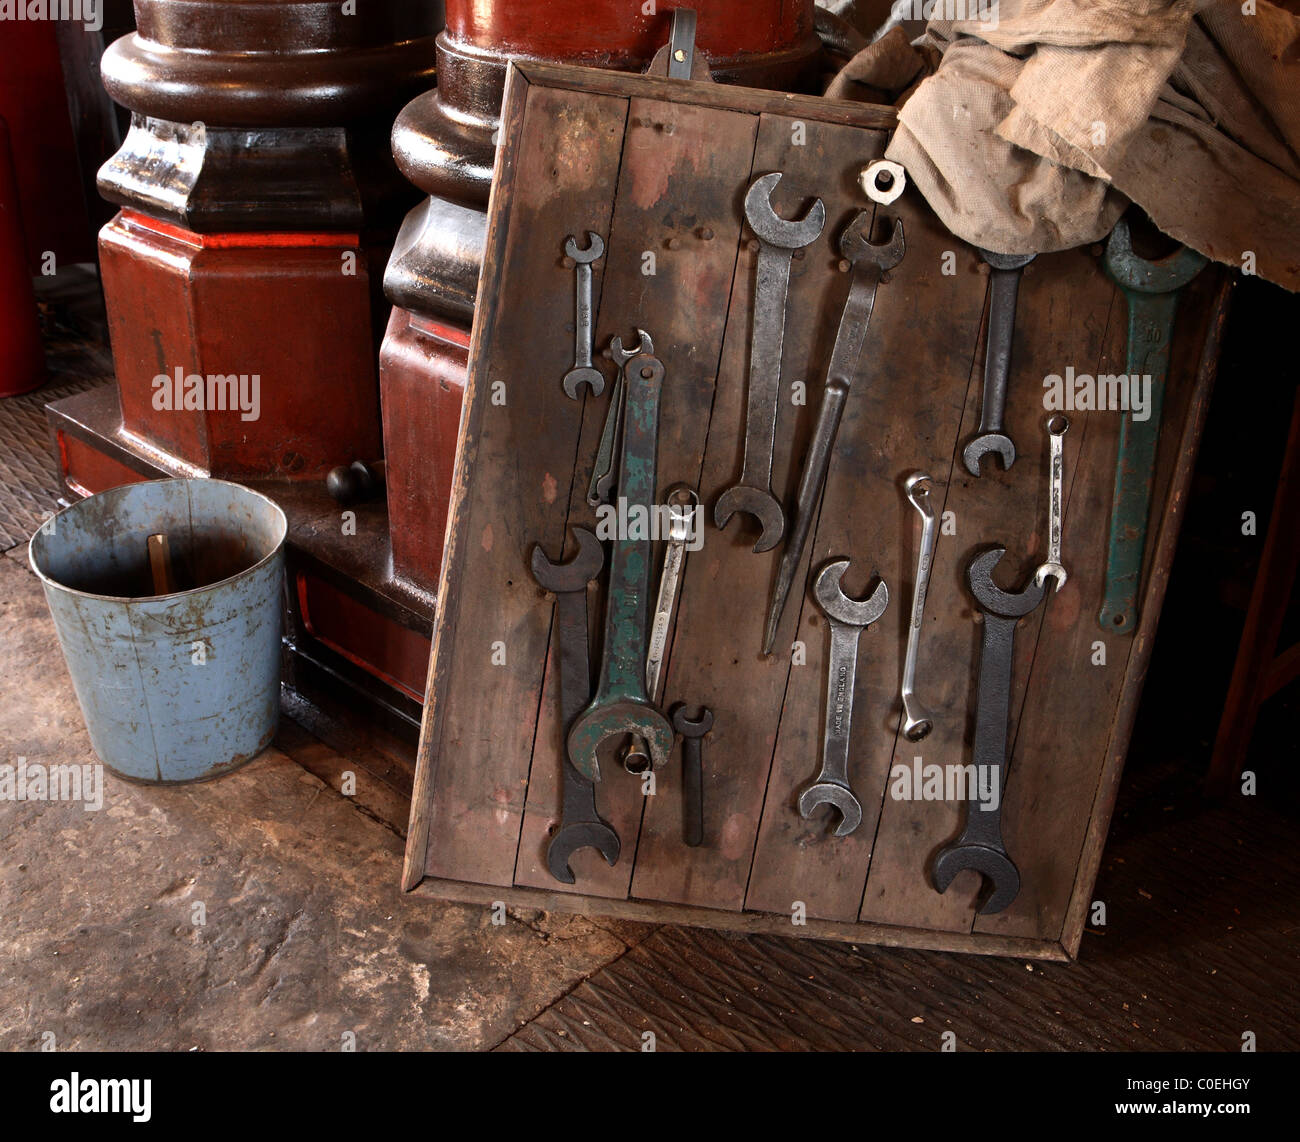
{"type": "Point", "coordinates": [1029, 125]}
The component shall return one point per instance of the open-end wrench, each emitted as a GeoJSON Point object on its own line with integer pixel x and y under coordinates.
{"type": "Point", "coordinates": [622, 705]}
{"type": "Point", "coordinates": [868, 262]}
{"type": "Point", "coordinates": [692, 731]}
{"type": "Point", "coordinates": [582, 372]}
{"type": "Point", "coordinates": [1057, 427]}
{"type": "Point", "coordinates": [847, 618]}
{"type": "Point", "coordinates": [916, 721]}
{"type": "Point", "coordinates": [683, 519]}
{"type": "Point", "coordinates": [581, 826]}
{"type": "Point", "coordinates": [1004, 286]}
{"type": "Point", "coordinates": [778, 239]}
{"type": "Point", "coordinates": [980, 845]}
{"type": "Point", "coordinates": [605, 471]}
{"type": "Point", "coordinates": [1152, 290]}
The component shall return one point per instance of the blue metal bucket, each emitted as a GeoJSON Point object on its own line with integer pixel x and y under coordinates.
{"type": "Point", "coordinates": [180, 687]}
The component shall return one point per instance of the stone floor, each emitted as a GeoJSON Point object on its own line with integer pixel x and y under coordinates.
{"type": "Point", "coordinates": [305, 938]}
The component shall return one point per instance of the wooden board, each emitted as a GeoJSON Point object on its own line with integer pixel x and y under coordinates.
{"type": "Point", "coordinates": [660, 169]}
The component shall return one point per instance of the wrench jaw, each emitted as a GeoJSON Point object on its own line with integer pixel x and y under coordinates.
{"type": "Point", "coordinates": [603, 720]}
{"type": "Point", "coordinates": [992, 597]}
{"type": "Point", "coordinates": [983, 445]}
{"type": "Point", "coordinates": [763, 506]}
{"type": "Point", "coordinates": [993, 864]}
{"type": "Point", "coordinates": [856, 244]}
{"type": "Point", "coordinates": [1053, 571]}
{"type": "Point", "coordinates": [1129, 271]}
{"type": "Point", "coordinates": [560, 578]}
{"type": "Point", "coordinates": [595, 248]}
{"type": "Point", "coordinates": [571, 838]}
{"type": "Point", "coordinates": [574, 379]}
{"type": "Point", "coordinates": [917, 723]}
{"type": "Point", "coordinates": [771, 227]}
{"type": "Point", "coordinates": [852, 612]}
{"type": "Point", "coordinates": [838, 797]}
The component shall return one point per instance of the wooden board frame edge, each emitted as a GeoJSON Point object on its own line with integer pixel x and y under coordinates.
{"type": "Point", "coordinates": [1161, 561]}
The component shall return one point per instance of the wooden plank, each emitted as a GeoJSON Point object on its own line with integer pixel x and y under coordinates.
{"type": "Point", "coordinates": [750, 922]}
{"type": "Point", "coordinates": [1063, 306]}
{"type": "Point", "coordinates": [717, 658]}
{"type": "Point", "coordinates": [902, 417]}
{"type": "Point", "coordinates": [496, 635]}
{"type": "Point", "coordinates": [693, 243]}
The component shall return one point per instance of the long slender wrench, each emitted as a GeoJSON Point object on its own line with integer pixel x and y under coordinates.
{"type": "Point", "coordinates": [581, 825]}
{"type": "Point", "coordinates": [980, 845]}
{"type": "Point", "coordinates": [1152, 290]}
{"type": "Point", "coordinates": [622, 705]}
{"type": "Point", "coordinates": [683, 507]}
{"type": "Point", "coordinates": [582, 372]}
{"type": "Point", "coordinates": [605, 470]}
{"type": "Point", "coordinates": [1004, 288]}
{"type": "Point", "coordinates": [1057, 427]}
{"type": "Point", "coordinates": [778, 239]}
{"type": "Point", "coordinates": [916, 721]}
{"type": "Point", "coordinates": [848, 617]}
{"type": "Point", "coordinates": [869, 261]}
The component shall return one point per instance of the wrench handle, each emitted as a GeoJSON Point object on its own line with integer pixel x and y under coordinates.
{"type": "Point", "coordinates": [1056, 507]}
{"type": "Point", "coordinates": [575, 665]}
{"type": "Point", "coordinates": [993, 708]}
{"type": "Point", "coordinates": [582, 326]}
{"type": "Point", "coordinates": [624, 661]}
{"type": "Point", "coordinates": [767, 342]}
{"type": "Point", "coordinates": [1150, 329]}
{"type": "Point", "coordinates": [693, 791]}
{"type": "Point", "coordinates": [924, 561]}
{"type": "Point", "coordinates": [841, 676]}
{"type": "Point", "coordinates": [1004, 289]}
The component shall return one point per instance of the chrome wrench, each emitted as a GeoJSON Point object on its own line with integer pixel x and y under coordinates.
{"type": "Point", "coordinates": [582, 372]}
{"type": "Point", "coordinates": [683, 519]}
{"type": "Point", "coordinates": [916, 721]}
{"type": "Point", "coordinates": [1057, 427]}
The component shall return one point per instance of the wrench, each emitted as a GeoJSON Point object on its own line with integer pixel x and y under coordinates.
{"type": "Point", "coordinates": [847, 619]}
{"type": "Point", "coordinates": [622, 705]}
{"type": "Point", "coordinates": [1151, 289]}
{"type": "Point", "coordinates": [778, 239]}
{"type": "Point", "coordinates": [582, 372]}
{"type": "Point", "coordinates": [581, 826]}
{"type": "Point", "coordinates": [980, 845]}
{"type": "Point", "coordinates": [602, 476]}
{"type": "Point", "coordinates": [916, 721]}
{"type": "Point", "coordinates": [1005, 286]}
{"type": "Point", "coordinates": [683, 504]}
{"type": "Point", "coordinates": [869, 261]}
{"type": "Point", "coordinates": [692, 732]}
{"type": "Point", "coordinates": [1057, 427]}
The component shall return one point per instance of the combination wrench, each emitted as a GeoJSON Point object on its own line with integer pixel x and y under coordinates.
{"type": "Point", "coordinates": [916, 720]}
{"type": "Point", "coordinates": [581, 825]}
{"type": "Point", "coordinates": [622, 705]}
{"type": "Point", "coordinates": [778, 239]}
{"type": "Point", "coordinates": [683, 506]}
{"type": "Point", "coordinates": [1151, 289]}
{"type": "Point", "coordinates": [848, 618]}
{"type": "Point", "coordinates": [1005, 273]}
{"type": "Point", "coordinates": [980, 845]}
{"type": "Point", "coordinates": [604, 473]}
{"type": "Point", "coordinates": [868, 261]}
{"type": "Point", "coordinates": [692, 731]}
{"type": "Point", "coordinates": [1057, 427]}
{"type": "Point", "coordinates": [582, 372]}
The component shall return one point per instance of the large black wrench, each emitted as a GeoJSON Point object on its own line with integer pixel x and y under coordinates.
{"type": "Point", "coordinates": [622, 705]}
{"type": "Point", "coordinates": [581, 826]}
{"type": "Point", "coordinates": [778, 239]}
{"type": "Point", "coordinates": [1152, 290]}
{"type": "Point", "coordinates": [980, 845]}
{"type": "Point", "coordinates": [1005, 273]}
{"type": "Point", "coordinates": [868, 261]}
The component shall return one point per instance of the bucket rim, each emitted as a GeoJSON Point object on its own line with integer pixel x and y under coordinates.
{"type": "Point", "coordinates": [276, 553]}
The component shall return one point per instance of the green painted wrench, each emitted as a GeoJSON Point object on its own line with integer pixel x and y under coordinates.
{"type": "Point", "coordinates": [621, 705]}
{"type": "Point", "coordinates": [1152, 290]}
